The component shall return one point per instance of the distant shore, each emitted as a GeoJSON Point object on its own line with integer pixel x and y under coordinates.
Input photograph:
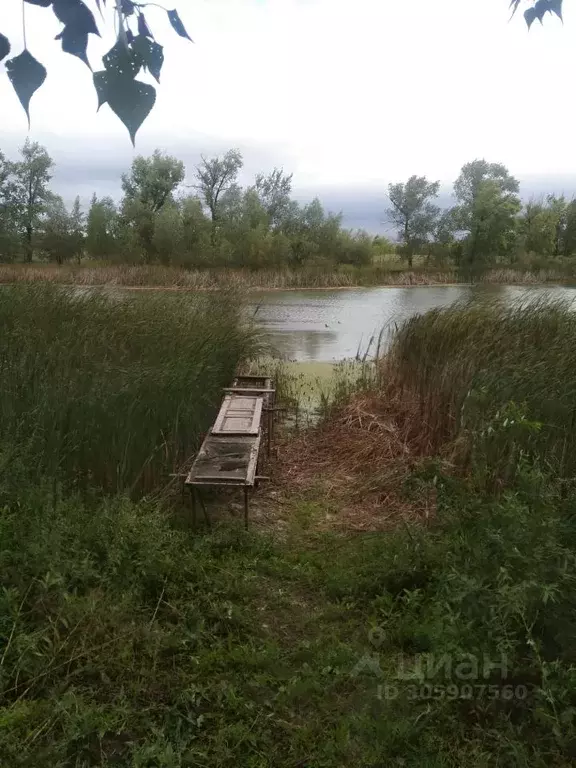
{"type": "Point", "coordinates": [155, 278]}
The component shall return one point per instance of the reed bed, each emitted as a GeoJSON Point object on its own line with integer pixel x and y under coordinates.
{"type": "Point", "coordinates": [343, 276]}
{"type": "Point", "coordinates": [112, 393]}
{"type": "Point", "coordinates": [492, 370]}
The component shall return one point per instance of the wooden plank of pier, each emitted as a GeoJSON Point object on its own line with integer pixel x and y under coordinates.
{"type": "Point", "coordinates": [230, 453]}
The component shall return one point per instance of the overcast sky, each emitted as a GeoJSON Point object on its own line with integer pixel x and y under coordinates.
{"type": "Point", "coordinates": [348, 94]}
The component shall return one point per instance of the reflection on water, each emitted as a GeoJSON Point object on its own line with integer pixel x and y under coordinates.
{"type": "Point", "coordinates": [333, 325]}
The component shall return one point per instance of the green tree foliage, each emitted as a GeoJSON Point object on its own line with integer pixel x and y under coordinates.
{"type": "Point", "coordinates": [29, 192]}
{"type": "Point", "coordinates": [153, 181]}
{"type": "Point", "coordinates": [488, 205]}
{"type": "Point", "coordinates": [218, 223]}
{"type": "Point", "coordinates": [413, 213]}
{"type": "Point", "coordinates": [274, 193]}
{"type": "Point", "coordinates": [9, 245]}
{"type": "Point", "coordinates": [216, 178]}
{"type": "Point", "coordinates": [117, 85]}
{"type": "Point", "coordinates": [148, 189]}
{"type": "Point", "coordinates": [61, 236]}
{"type": "Point", "coordinates": [101, 228]}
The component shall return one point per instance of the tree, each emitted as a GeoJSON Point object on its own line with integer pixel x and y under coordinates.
{"type": "Point", "coordinates": [557, 213]}
{"type": "Point", "coordinates": [150, 185]}
{"type": "Point", "coordinates": [215, 177]}
{"type": "Point", "coordinates": [274, 190]}
{"type": "Point", "coordinates": [56, 237]}
{"type": "Point", "coordinates": [8, 222]}
{"type": "Point", "coordinates": [412, 212]}
{"type": "Point", "coordinates": [101, 226]}
{"type": "Point", "coordinates": [570, 229]}
{"type": "Point", "coordinates": [153, 181]}
{"type": "Point", "coordinates": [196, 231]}
{"type": "Point", "coordinates": [116, 85]}
{"type": "Point", "coordinates": [77, 228]}
{"type": "Point", "coordinates": [30, 194]}
{"type": "Point", "coordinates": [488, 205]}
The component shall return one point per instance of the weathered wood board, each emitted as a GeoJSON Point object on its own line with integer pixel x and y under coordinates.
{"type": "Point", "coordinates": [225, 461]}
{"type": "Point", "coordinates": [239, 415]}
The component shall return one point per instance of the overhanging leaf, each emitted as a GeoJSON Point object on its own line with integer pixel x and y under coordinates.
{"type": "Point", "coordinates": [43, 3]}
{"type": "Point", "coordinates": [556, 7]}
{"type": "Point", "coordinates": [122, 61]}
{"type": "Point", "coordinates": [131, 101]}
{"type": "Point", "coordinates": [127, 7]}
{"type": "Point", "coordinates": [75, 14]}
{"type": "Point", "coordinates": [541, 8]}
{"type": "Point", "coordinates": [143, 28]}
{"type": "Point", "coordinates": [4, 46]}
{"type": "Point", "coordinates": [530, 16]}
{"type": "Point", "coordinates": [177, 25]}
{"type": "Point", "coordinates": [75, 43]}
{"type": "Point", "coordinates": [101, 85]}
{"type": "Point", "coordinates": [26, 75]}
{"type": "Point", "coordinates": [151, 53]}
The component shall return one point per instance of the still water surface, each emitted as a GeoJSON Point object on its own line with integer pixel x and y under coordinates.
{"type": "Point", "coordinates": [324, 326]}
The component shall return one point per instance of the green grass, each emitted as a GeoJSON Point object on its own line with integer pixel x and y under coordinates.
{"type": "Point", "coordinates": [110, 393]}
{"type": "Point", "coordinates": [131, 643]}
{"type": "Point", "coordinates": [128, 639]}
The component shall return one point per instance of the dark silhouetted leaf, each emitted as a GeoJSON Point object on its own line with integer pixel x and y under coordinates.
{"type": "Point", "coordinates": [143, 28]}
{"type": "Point", "coordinates": [75, 14]}
{"type": "Point", "coordinates": [26, 75]}
{"type": "Point", "coordinates": [43, 3]}
{"type": "Point", "coordinates": [530, 16]}
{"type": "Point", "coordinates": [177, 25]}
{"type": "Point", "coordinates": [4, 46]}
{"type": "Point", "coordinates": [129, 36]}
{"type": "Point", "coordinates": [122, 61]}
{"type": "Point", "coordinates": [131, 101]}
{"type": "Point", "coordinates": [556, 7]}
{"type": "Point", "coordinates": [127, 7]}
{"type": "Point", "coordinates": [151, 53]}
{"type": "Point", "coordinates": [75, 43]}
{"type": "Point", "coordinates": [101, 85]}
{"type": "Point", "coordinates": [541, 8]}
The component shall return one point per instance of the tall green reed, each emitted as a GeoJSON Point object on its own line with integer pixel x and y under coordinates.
{"type": "Point", "coordinates": [467, 363]}
{"type": "Point", "coordinates": [110, 390]}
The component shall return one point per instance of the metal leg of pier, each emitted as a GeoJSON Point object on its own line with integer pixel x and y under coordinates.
{"type": "Point", "coordinates": [206, 515]}
{"type": "Point", "coordinates": [246, 507]}
{"type": "Point", "coordinates": [193, 497]}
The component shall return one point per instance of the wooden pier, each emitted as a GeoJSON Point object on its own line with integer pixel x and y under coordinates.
{"type": "Point", "coordinates": [230, 454]}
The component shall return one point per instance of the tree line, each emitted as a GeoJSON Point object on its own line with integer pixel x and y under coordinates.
{"type": "Point", "coordinates": [161, 219]}
{"type": "Point", "coordinates": [489, 223]}
{"type": "Point", "coordinates": [214, 221]}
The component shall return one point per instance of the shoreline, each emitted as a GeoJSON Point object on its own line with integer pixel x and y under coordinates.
{"type": "Point", "coordinates": [275, 289]}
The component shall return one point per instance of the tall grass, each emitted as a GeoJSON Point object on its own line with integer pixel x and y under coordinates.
{"type": "Point", "coordinates": [341, 276]}
{"type": "Point", "coordinates": [470, 363]}
{"type": "Point", "coordinates": [98, 391]}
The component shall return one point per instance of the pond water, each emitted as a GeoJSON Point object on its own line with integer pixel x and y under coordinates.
{"type": "Point", "coordinates": [331, 325]}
